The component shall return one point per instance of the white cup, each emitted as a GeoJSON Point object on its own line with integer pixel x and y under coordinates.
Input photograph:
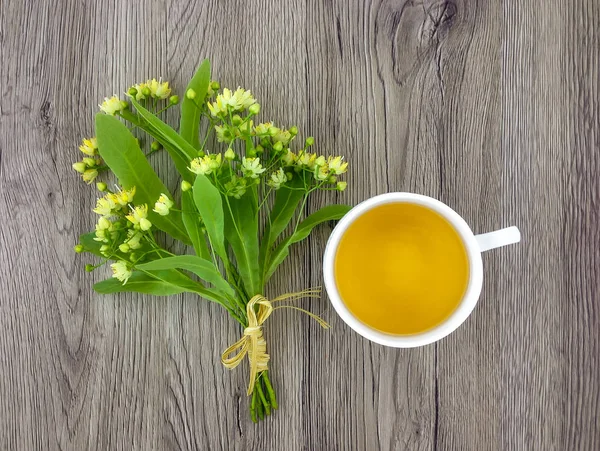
{"type": "Point", "coordinates": [474, 245]}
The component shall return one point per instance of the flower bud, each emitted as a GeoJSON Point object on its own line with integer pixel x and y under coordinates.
{"type": "Point", "coordinates": [186, 186]}
{"type": "Point", "coordinates": [215, 85]}
{"type": "Point", "coordinates": [89, 162]}
{"type": "Point", "coordinates": [124, 104]}
{"type": "Point", "coordinates": [79, 167]}
{"type": "Point", "coordinates": [229, 154]}
{"type": "Point", "coordinates": [124, 248]}
{"type": "Point", "coordinates": [133, 257]}
{"type": "Point", "coordinates": [293, 131]}
{"type": "Point", "coordinates": [190, 94]}
{"type": "Point", "coordinates": [273, 130]}
{"type": "Point", "coordinates": [254, 109]}
{"type": "Point", "coordinates": [278, 146]}
{"type": "Point", "coordinates": [155, 146]}
{"type": "Point", "coordinates": [289, 176]}
{"type": "Point", "coordinates": [310, 141]}
{"type": "Point", "coordinates": [132, 91]}
{"type": "Point", "coordinates": [236, 120]}
{"type": "Point", "coordinates": [101, 186]}
{"type": "Point", "coordinates": [332, 179]}
{"type": "Point", "coordinates": [174, 100]}
{"type": "Point", "coordinates": [341, 186]}
{"type": "Point", "coordinates": [146, 91]}
{"type": "Point", "coordinates": [89, 267]}
{"type": "Point", "coordinates": [259, 149]}
{"type": "Point", "coordinates": [251, 153]}
{"type": "Point", "coordinates": [201, 153]}
{"type": "Point", "coordinates": [264, 142]}
{"type": "Point", "coordinates": [78, 248]}
{"type": "Point", "coordinates": [145, 224]}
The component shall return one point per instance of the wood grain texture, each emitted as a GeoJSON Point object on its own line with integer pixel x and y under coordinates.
{"type": "Point", "coordinates": [490, 106]}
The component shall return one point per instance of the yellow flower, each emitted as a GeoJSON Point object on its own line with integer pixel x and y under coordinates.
{"type": "Point", "coordinates": [263, 129]}
{"type": "Point", "coordinates": [125, 196]}
{"type": "Point", "coordinates": [289, 158]}
{"type": "Point", "coordinates": [159, 89]}
{"type": "Point", "coordinates": [105, 206]}
{"type": "Point", "coordinates": [111, 105]}
{"type": "Point", "coordinates": [282, 136]}
{"type": "Point", "coordinates": [306, 159]}
{"type": "Point", "coordinates": [242, 99]}
{"type": "Point", "coordinates": [251, 167]}
{"type": "Point", "coordinates": [89, 147]}
{"type": "Point", "coordinates": [337, 165]}
{"type": "Point", "coordinates": [220, 106]}
{"type": "Point", "coordinates": [322, 172]}
{"type": "Point", "coordinates": [341, 186]}
{"type": "Point", "coordinates": [121, 271]}
{"type": "Point", "coordinates": [277, 179]}
{"type": "Point", "coordinates": [199, 166]}
{"type": "Point", "coordinates": [138, 217]}
{"type": "Point", "coordinates": [205, 165]}
{"type": "Point", "coordinates": [163, 205]}
{"type": "Point", "coordinates": [89, 176]}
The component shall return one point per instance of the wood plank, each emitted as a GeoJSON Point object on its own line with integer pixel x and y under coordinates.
{"type": "Point", "coordinates": [491, 107]}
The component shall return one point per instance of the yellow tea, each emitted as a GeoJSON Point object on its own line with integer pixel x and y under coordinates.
{"type": "Point", "coordinates": [401, 268]}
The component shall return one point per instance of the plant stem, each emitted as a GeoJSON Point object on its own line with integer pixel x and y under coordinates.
{"type": "Point", "coordinates": [270, 391]}
{"type": "Point", "coordinates": [253, 407]}
{"type": "Point", "coordinates": [261, 395]}
{"type": "Point", "coordinates": [260, 410]}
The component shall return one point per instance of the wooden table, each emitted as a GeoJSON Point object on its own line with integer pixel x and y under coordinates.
{"type": "Point", "coordinates": [490, 106]}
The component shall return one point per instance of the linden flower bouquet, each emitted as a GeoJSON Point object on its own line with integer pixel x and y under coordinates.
{"type": "Point", "coordinates": [258, 177]}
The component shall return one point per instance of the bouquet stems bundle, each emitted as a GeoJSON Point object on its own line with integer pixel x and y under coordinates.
{"type": "Point", "coordinates": [258, 174]}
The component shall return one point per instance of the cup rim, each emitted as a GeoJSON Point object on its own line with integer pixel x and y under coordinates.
{"type": "Point", "coordinates": [438, 332]}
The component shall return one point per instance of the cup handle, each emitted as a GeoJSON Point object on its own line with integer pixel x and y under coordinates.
{"type": "Point", "coordinates": [498, 238]}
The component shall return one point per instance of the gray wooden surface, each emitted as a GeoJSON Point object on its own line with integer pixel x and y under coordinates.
{"type": "Point", "coordinates": [490, 106]}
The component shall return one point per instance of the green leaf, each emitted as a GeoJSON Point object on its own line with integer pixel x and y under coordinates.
{"type": "Point", "coordinates": [191, 220]}
{"type": "Point", "coordinates": [284, 207]}
{"type": "Point", "coordinates": [89, 244]}
{"type": "Point", "coordinates": [210, 206]}
{"type": "Point", "coordinates": [159, 283]}
{"type": "Point", "coordinates": [177, 155]}
{"type": "Point", "coordinates": [204, 269]}
{"type": "Point", "coordinates": [241, 231]}
{"type": "Point", "coordinates": [138, 282]}
{"type": "Point", "coordinates": [165, 131]}
{"type": "Point", "coordinates": [190, 109]}
{"type": "Point", "coordinates": [121, 152]}
{"type": "Point", "coordinates": [280, 254]}
{"type": "Point", "coordinates": [328, 213]}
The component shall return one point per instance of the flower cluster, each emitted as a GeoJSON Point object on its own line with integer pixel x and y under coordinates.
{"type": "Point", "coordinates": [121, 228]}
{"type": "Point", "coordinates": [89, 165]}
{"type": "Point", "coordinates": [233, 102]}
{"type": "Point", "coordinates": [112, 105]}
{"type": "Point", "coordinates": [155, 89]}
{"type": "Point", "coordinates": [205, 165]}
{"type": "Point", "coordinates": [163, 205]}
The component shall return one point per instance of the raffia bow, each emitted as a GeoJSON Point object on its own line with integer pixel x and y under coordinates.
{"type": "Point", "coordinates": [252, 342]}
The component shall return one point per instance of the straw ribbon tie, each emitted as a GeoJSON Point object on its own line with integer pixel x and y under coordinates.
{"type": "Point", "coordinates": [252, 342]}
